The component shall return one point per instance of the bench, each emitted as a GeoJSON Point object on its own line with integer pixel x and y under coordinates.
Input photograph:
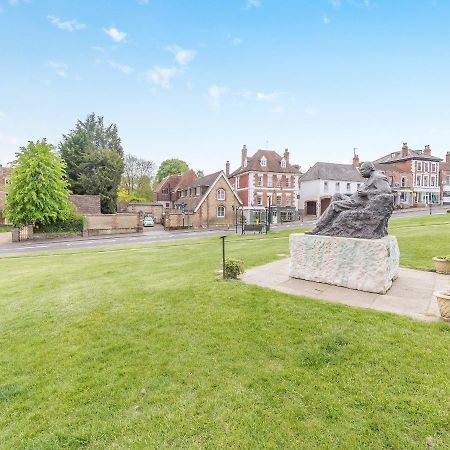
{"type": "Point", "coordinates": [254, 227]}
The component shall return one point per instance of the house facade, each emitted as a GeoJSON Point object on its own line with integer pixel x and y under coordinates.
{"type": "Point", "coordinates": [166, 192]}
{"type": "Point", "coordinates": [444, 177]}
{"type": "Point", "coordinates": [267, 179]}
{"type": "Point", "coordinates": [206, 202]}
{"type": "Point", "coordinates": [323, 180]}
{"type": "Point", "coordinates": [5, 174]}
{"type": "Point", "coordinates": [420, 168]}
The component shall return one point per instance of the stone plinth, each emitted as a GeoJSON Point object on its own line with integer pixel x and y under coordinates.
{"type": "Point", "coordinates": [364, 264]}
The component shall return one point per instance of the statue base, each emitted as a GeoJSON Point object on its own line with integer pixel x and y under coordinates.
{"type": "Point", "coordinates": [364, 264]}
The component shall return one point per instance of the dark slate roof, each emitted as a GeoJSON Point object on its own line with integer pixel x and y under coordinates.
{"type": "Point", "coordinates": [332, 171]}
{"type": "Point", "coordinates": [273, 164]}
{"type": "Point", "coordinates": [396, 156]}
{"type": "Point", "coordinates": [207, 180]}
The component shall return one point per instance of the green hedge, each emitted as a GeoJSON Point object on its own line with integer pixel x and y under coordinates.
{"type": "Point", "coordinates": [74, 224]}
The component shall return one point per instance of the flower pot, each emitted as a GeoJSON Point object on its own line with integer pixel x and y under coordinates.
{"type": "Point", "coordinates": [441, 265]}
{"type": "Point", "coordinates": [443, 299]}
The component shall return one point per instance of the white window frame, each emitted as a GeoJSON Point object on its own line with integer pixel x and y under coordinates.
{"type": "Point", "coordinates": [288, 182]}
{"type": "Point", "coordinates": [425, 180]}
{"type": "Point", "coordinates": [263, 161]}
{"type": "Point", "coordinates": [349, 187]}
{"type": "Point", "coordinates": [425, 166]}
{"type": "Point", "coordinates": [419, 166]}
{"type": "Point", "coordinates": [433, 181]}
{"type": "Point", "coordinates": [283, 163]}
{"type": "Point", "coordinates": [288, 200]}
{"type": "Point", "coordinates": [325, 186]}
{"type": "Point", "coordinates": [418, 180]}
{"type": "Point", "coordinates": [403, 182]}
{"type": "Point", "coordinates": [269, 180]}
{"type": "Point", "coordinates": [278, 181]}
{"type": "Point", "coordinates": [259, 199]}
{"type": "Point", "coordinates": [278, 201]}
{"type": "Point", "coordinates": [219, 208]}
{"type": "Point", "coordinates": [338, 186]}
{"type": "Point", "coordinates": [260, 182]}
{"type": "Point", "coordinates": [219, 194]}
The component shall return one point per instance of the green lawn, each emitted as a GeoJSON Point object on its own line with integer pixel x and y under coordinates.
{"type": "Point", "coordinates": [145, 347]}
{"type": "Point", "coordinates": [5, 228]}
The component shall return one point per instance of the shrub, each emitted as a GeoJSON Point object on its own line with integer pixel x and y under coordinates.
{"type": "Point", "coordinates": [445, 258]}
{"type": "Point", "coordinates": [74, 224]}
{"type": "Point", "coordinates": [233, 268]}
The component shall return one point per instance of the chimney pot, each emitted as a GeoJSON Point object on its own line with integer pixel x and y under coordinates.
{"type": "Point", "coordinates": [356, 160]}
{"type": "Point", "coordinates": [243, 155]}
{"type": "Point", "coordinates": [404, 150]}
{"type": "Point", "coordinates": [447, 158]}
{"type": "Point", "coordinates": [227, 168]}
{"type": "Point", "coordinates": [286, 155]}
{"type": "Point", "coordinates": [427, 150]}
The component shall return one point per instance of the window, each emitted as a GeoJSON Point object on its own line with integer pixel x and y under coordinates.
{"type": "Point", "coordinates": [433, 180]}
{"type": "Point", "coordinates": [283, 163]}
{"type": "Point", "coordinates": [263, 161]}
{"type": "Point", "coordinates": [288, 199]}
{"type": "Point", "coordinates": [220, 194]}
{"type": "Point", "coordinates": [197, 190]}
{"type": "Point", "coordinates": [278, 199]}
{"type": "Point", "coordinates": [338, 186]}
{"type": "Point", "coordinates": [279, 181]}
{"type": "Point", "coordinates": [260, 180]}
{"type": "Point", "coordinates": [288, 182]}
{"type": "Point", "coordinates": [447, 179]}
{"type": "Point", "coordinates": [418, 179]}
{"type": "Point", "coordinates": [259, 199]}
{"type": "Point", "coordinates": [425, 180]}
{"type": "Point", "coordinates": [269, 180]}
{"type": "Point", "coordinates": [269, 200]}
{"type": "Point", "coordinates": [221, 211]}
{"type": "Point", "coordinates": [165, 191]}
{"type": "Point", "coordinates": [419, 167]}
{"type": "Point", "coordinates": [358, 185]}
{"type": "Point", "coordinates": [391, 181]}
{"type": "Point", "coordinates": [167, 204]}
{"type": "Point", "coordinates": [236, 184]}
{"type": "Point", "coordinates": [433, 167]}
{"type": "Point", "coordinates": [349, 187]}
{"type": "Point", "coordinates": [425, 166]}
{"type": "Point", "coordinates": [403, 181]}
{"type": "Point", "coordinates": [325, 186]}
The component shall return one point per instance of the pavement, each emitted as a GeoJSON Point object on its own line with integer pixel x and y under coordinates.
{"type": "Point", "coordinates": [411, 293]}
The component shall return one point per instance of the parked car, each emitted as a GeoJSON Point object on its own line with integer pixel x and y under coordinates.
{"type": "Point", "coordinates": [149, 222]}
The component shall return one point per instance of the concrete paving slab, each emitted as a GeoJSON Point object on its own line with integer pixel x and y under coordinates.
{"type": "Point", "coordinates": [411, 293]}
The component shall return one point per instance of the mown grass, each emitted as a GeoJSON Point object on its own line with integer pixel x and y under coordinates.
{"type": "Point", "coordinates": [146, 347]}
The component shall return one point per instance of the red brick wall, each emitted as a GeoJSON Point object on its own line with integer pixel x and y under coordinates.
{"type": "Point", "coordinates": [86, 204]}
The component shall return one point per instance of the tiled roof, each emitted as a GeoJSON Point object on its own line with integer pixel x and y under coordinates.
{"type": "Point", "coordinates": [170, 180]}
{"type": "Point", "coordinates": [390, 167]}
{"type": "Point", "coordinates": [206, 180]}
{"type": "Point", "coordinates": [273, 164]}
{"type": "Point", "coordinates": [332, 171]}
{"type": "Point", "coordinates": [412, 154]}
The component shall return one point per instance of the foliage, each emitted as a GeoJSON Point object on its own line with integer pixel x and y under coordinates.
{"type": "Point", "coordinates": [233, 268]}
{"type": "Point", "coordinates": [73, 224]}
{"type": "Point", "coordinates": [443, 258]}
{"type": "Point", "coordinates": [163, 355]}
{"type": "Point", "coordinates": [123, 196]}
{"type": "Point", "coordinates": [135, 170]}
{"type": "Point", "coordinates": [38, 191]}
{"type": "Point", "coordinates": [144, 188]}
{"type": "Point", "coordinates": [94, 158]}
{"type": "Point", "coordinates": [5, 228]}
{"type": "Point", "coordinates": [171, 167]}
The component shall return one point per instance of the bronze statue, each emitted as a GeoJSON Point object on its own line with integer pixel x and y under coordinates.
{"type": "Point", "coordinates": [364, 214]}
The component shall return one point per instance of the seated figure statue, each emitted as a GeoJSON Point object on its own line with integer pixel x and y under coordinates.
{"type": "Point", "coordinates": [364, 214]}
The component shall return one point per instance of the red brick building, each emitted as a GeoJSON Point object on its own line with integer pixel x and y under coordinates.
{"type": "Point", "coordinates": [264, 179]}
{"type": "Point", "coordinates": [414, 175]}
{"type": "Point", "coordinates": [166, 191]}
{"type": "Point", "coordinates": [5, 173]}
{"type": "Point", "coordinates": [444, 177]}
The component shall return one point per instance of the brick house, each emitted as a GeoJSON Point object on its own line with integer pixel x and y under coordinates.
{"type": "Point", "coordinates": [5, 173]}
{"type": "Point", "coordinates": [401, 183]}
{"type": "Point", "coordinates": [264, 179]}
{"type": "Point", "coordinates": [321, 181]}
{"type": "Point", "coordinates": [444, 177]}
{"type": "Point", "coordinates": [424, 174]}
{"type": "Point", "coordinates": [166, 191]}
{"type": "Point", "coordinates": [206, 202]}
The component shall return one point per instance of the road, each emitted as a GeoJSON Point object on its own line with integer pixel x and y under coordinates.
{"type": "Point", "coordinates": [158, 234]}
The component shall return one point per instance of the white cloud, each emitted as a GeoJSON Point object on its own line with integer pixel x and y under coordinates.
{"type": "Point", "coordinates": [335, 3]}
{"type": "Point", "coordinates": [267, 96]}
{"type": "Point", "coordinates": [66, 25]}
{"type": "Point", "coordinates": [234, 39]}
{"type": "Point", "coordinates": [121, 67]}
{"type": "Point", "coordinates": [326, 20]}
{"type": "Point", "coordinates": [59, 68]}
{"type": "Point", "coordinates": [161, 76]}
{"type": "Point", "coordinates": [183, 56]}
{"type": "Point", "coordinates": [252, 4]}
{"type": "Point", "coordinates": [115, 34]}
{"type": "Point", "coordinates": [7, 139]}
{"type": "Point", "coordinates": [215, 94]}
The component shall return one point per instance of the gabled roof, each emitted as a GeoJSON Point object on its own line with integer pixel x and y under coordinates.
{"type": "Point", "coordinates": [273, 164]}
{"type": "Point", "coordinates": [390, 167]}
{"type": "Point", "coordinates": [170, 180]}
{"type": "Point", "coordinates": [332, 171]}
{"type": "Point", "coordinates": [396, 156]}
{"type": "Point", "coordinates": [208, 181]}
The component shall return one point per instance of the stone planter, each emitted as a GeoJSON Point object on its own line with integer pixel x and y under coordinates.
{"type": "Point", "coordinates": [443, 299]}
{"type": "Point", "coordinates": [441, 265]}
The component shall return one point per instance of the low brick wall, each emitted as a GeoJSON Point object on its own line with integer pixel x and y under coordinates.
{"type": "Point", "coordinates": [100, 224]}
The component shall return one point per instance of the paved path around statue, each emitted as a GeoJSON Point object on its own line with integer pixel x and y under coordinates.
{"type": "Point", "coordinates": [411, 293]}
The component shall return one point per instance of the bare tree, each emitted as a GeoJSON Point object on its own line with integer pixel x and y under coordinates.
{"type": "Point", "coordinates": [135, 169]}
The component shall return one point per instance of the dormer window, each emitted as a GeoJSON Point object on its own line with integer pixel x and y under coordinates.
{"type": "Point", "coordinates": [263, 161]}
{"type": "Point", "coordinates": [283, 163]}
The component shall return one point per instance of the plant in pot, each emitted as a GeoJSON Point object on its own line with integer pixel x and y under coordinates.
{"type": "Point", "coordinates": [442, 264]}
{"type": "Point", "coordinates": [443, 299]}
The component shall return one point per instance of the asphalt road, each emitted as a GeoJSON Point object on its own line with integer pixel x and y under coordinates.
{"type": "Point", "coordinates": [158, 234]}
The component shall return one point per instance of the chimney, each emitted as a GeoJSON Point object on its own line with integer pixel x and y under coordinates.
{"type": "Point", "coordinates": [447, 158]}
{"type": "Point", "coordinates": [355, 160]}
{"type": "Point", "coordinates": [243, 155]}
{"type": "Point", "coordinates": [227, 169]}
{"type": "Point", "coordinates": [404, 150]}
{"type": "Point", "coordinates": [427, 150]}
{"type": "Point", "coordinates": [286, 155]}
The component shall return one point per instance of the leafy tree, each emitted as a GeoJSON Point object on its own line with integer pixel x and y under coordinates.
{"type": "Point", "coordinates": [135, 169]}
{"type": "Point", "coordinates": [171, 167]}
{"type": "Point", "coordinates": [38, 191]}
{"type": "Point", "coordinates": [144, 188]}
{"type": "Point", "coordinates": [94, 158]}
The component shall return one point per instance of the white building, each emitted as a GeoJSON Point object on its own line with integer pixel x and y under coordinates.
{"type": "Point", "coordinates": [323, 180]}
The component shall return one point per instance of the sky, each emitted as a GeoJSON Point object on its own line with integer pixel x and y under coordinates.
{"type": "Point", "coordinates": [198, 79]}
